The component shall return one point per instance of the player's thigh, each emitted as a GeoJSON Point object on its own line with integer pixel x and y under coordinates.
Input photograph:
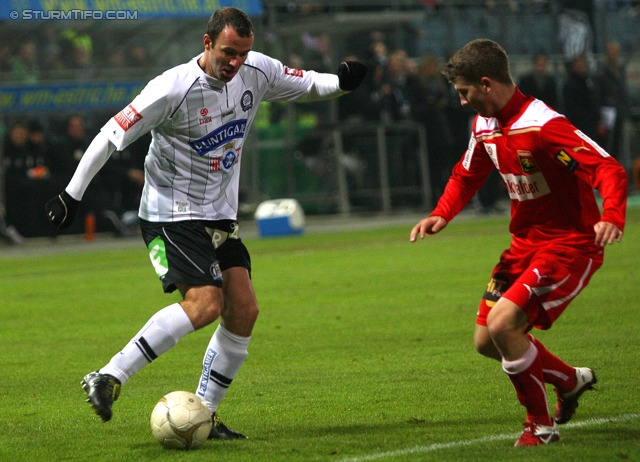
{"type": "Point", "coordinates": [552, 280]}
{"type": "Point", "coordinates": [181, 253]}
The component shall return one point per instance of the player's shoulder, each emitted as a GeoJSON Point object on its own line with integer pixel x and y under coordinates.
{"type": "Point", "coordinates": [262, 63]}
{"type": "Point", "coordinates": [256, 59]}
{"type": "Point", "coordinates": [536, 115]}
{"type": "Point", "coordinates": [177, 79]}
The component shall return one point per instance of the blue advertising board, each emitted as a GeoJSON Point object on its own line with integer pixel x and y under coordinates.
{"type": "Point", "coordinates": [68, 97]}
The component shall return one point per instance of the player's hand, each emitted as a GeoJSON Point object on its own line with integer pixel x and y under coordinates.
{"type": "Point", "coordinates": [607, 233]}
{"type": "Point", "coordinates": [430, 225]}
{"type": "Point", "coordinates": [351, 74]}
{"type": "Point", "coordinates": [62, 210]}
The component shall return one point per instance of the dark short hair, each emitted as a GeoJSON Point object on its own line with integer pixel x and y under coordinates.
{"type": "Point", "coordinates": [232, 17]}
{"type": "Point", "coordinates": [479, 58]}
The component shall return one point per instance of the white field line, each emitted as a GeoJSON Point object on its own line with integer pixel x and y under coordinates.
{"type": "Point", "coordinates": [486, 439]}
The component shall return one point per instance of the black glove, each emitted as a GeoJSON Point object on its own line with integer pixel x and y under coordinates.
{"type": "Point", "coordinates": [62, 210]}
{"type": "Point", "coordinates": [351, 74]}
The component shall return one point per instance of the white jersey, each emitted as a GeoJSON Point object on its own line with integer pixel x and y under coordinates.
{"type": "Point", "coordinates": [199, 124]}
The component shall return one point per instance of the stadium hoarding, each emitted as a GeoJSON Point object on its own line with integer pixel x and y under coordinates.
{"type": "Point", "coordinates": [120, 9]}
{"type": "Point", "coordinates": [68, 97]}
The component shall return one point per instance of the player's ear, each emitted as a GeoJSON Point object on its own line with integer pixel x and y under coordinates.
{"type": "Point", "coordinates": [485, 85]}
{"type": "Point", "coordinates": [206, 40]}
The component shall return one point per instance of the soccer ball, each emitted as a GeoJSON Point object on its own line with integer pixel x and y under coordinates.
{"type": "Point", "coordinates": [181, 420]}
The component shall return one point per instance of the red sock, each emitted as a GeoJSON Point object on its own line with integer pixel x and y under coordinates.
{"type": "Point", "coordinates": [555, 371]}
{"type": "Point", "coordinates": [527, 378]}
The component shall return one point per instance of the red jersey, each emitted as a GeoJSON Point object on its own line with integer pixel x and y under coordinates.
{"type": "Point", "coordinates": [549, 168]}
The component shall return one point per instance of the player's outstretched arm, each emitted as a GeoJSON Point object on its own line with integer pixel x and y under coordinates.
{"type": "Point", "coordinates": [429, 225]}
{"type": "Point", "coordinates": [607, 233]}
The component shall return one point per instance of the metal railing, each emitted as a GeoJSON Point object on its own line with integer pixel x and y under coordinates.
{"type": "Point", "coordinates": [338, 192]}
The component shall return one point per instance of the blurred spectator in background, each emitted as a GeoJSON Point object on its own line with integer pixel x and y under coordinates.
{"type": "Point", "coordinates": [37, 144]}
{"type": "Point", "coordinates": [136, 59]}
{"type": "Point", "coordinates": [117, 59]}
{"type": "Point", "coordinates": [77, 52]}
{"type": "Point", "coordinates": [16, 152]}
{"type": "Point", "coordinates": [402, 95]}
{"type": "Point", "coordinates": [356, 107]}
{"type": "Point", "coordinates": [614, 97]}
{"type": "Point", "coordinates": [582, 106]}
{"type": "Point", "coordinates": [539, 83]}
{"type": "Point", "coordinates": [82, 63]}
{"type": "Point", "coordinates": [52, 61]}
{"type": "Point", "coordinates": [6, 57]}
{"type": "Point", "coordinates": [64, 156]}
{"type": "Point", "coordinates": [126, 174]}
{"type": "Point", "coordinates": [137, 54]}
{"type": "Point", "coordinates": [439, 138]}
{"type": "Point", "coordinates": [26, 178]}
{"type": "Point", "coordinates": [24, 66]}
{"type": "Point", "coordinates": [68, 148]}
{"type": "Point", "coordinates": [318, 52]}
{"type": "Point", "coordinates": [376, 59]}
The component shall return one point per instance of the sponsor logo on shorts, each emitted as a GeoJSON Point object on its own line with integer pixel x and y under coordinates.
{"type": "Point", "coordinates": [214, 269]}
{"type": "Point", "coordinates": [158, 256]}
{"type": "Point", "coordinates": [497, 286]}
{"type": "Point", "coordinates": [127, 118]}
{"type": "Point", "coordinates": [527, 162]}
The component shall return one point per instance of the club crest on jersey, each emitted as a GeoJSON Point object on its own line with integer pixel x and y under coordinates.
{"type": "Point", "coordinates": [528, 164]}
{"type": "Point", "coordinates": [229, 158]}
{"type": "Point", "coordinates": [219, 137]}
{"type": "Point", "coordinates": [246, 102]}
{"type": "Point", "coordinates": [227, 161]}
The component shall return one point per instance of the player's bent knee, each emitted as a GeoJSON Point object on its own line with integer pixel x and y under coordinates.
{"type": "Point", "coordinates": [487, 349]}
{"type": "Point", "coordinates": [203, 305]}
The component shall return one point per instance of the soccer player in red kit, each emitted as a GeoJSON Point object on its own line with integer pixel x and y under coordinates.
{"type": "Point", "coordinates": [550, 169]}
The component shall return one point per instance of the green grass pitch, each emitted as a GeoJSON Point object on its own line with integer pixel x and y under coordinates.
{"type": "Point", "coordinates": [363, 351]}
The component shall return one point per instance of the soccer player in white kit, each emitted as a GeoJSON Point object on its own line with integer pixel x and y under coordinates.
{"type": "Point", "coordinates": [199, 114]}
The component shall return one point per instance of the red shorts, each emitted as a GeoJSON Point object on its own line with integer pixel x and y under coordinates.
{"type": "Point", "coordinates": [540, 279]}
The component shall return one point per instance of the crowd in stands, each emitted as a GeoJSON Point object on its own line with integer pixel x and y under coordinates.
{"type": "Point", "coordinates": [39, 159]}
{"type": "Point", "coordinates": [39, 163]}
{"type": "Point", "coordinates": [593, 96]}
{"type": "Point", "coordinates": [54, 54]}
